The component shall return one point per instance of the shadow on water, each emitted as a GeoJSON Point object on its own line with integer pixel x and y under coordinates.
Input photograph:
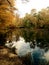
{"type": "Point", "coordinates": [2, 39]}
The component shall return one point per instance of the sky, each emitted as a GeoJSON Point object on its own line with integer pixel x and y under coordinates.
{"type": "Point", "coordinates": [32, 4]}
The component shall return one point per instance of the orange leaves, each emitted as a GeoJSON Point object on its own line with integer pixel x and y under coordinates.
{"type": "Point", "coordinates": [7, 2]}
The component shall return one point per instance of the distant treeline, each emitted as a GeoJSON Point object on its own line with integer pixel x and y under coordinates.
{"type": "Point", "coordinates": [33, 26]}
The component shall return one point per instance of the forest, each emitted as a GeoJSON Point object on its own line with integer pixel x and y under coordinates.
{"type": "Point", "coordinates": [33, 26]}
{"type": "Point", "coordinates": [36, 22]}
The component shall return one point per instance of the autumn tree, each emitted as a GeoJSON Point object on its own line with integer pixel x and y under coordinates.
{"type": "Point", "coordinates": [7, 18]}
{"type": "Point", "coordinates": [43, 18]}
{"type": "Point", "coordinates": [30, 20]}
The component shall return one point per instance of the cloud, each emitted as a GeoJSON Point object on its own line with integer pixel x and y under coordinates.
{"type": "Point", "coordinates": [26, 7]}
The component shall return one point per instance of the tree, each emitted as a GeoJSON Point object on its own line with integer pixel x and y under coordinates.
{"type": "Point", "coordinates": [7, 18]}
{"type": "Point", "coordinates": [43, 18]}
{"type": "Point", "coordinates": [33, 12]}
{"type": "Point", "coordinates": [7, 2]}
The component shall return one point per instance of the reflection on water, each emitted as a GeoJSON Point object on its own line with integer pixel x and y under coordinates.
{"type": "Point", "coordinates": [33, 42]}
{"type": "Point", "coordinates": [38, 56]}
{"type": "Point", "coordinates": [21, 46]}
{"type": "Point", "coordinates": [41, 36]}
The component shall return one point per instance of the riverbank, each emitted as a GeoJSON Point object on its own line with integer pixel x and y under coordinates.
{"type": "Point", "coordinates": [9, 58]}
